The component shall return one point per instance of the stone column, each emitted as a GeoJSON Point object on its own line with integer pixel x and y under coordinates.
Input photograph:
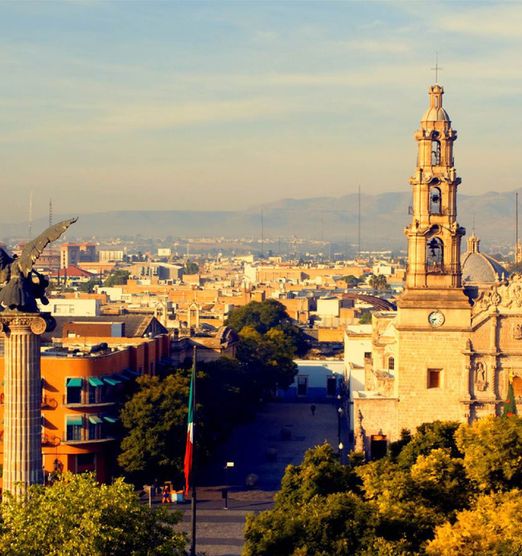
{"type": "Point", "coordinates": [22, 400]}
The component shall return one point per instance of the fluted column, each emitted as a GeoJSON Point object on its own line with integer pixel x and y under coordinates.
{"type": "Point", "coordinates": [22, 400]}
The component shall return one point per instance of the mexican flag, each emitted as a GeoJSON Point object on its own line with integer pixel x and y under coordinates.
{"type": "Point", "coordinates": [189, 447]}
{"type": "Point", "coordinates": [510, 406]}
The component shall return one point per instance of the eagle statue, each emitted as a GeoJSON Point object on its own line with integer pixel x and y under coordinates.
{"type": "Point", "coordinates": [20, 284]}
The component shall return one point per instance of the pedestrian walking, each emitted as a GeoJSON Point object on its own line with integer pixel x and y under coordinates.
{"type": "Point", "coordinates": [312, 409]}
{"type": "Point", "coordinates": [165, 495]}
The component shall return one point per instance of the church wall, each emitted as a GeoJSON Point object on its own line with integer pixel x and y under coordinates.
{"type": "Point", "coordinates": [437, 350]}
{"type": "Point", "coordinates": [374, 416]}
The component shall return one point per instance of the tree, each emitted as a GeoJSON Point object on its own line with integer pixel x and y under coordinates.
{"type": "Point", "coordinates": [155, 421]}
{"type": "Point", "coordinates": [378, 282]}
{"type": "Point", "coordinates": [492, 450]}
{"type": "Point", "coordinates": [428, 437]}
{"type": "Point", "coordinates": [313, 514]}
{"type": "Point", "coordinates": [117, 278]}
{"type": "Point", "coordinates": [492, 527]}
{"type": "Point", "coordinates": [88, 286]}
{"type": "Point", "coordinates": [77, 515]}
{"type": "Point", "coordinates": [263, 316]}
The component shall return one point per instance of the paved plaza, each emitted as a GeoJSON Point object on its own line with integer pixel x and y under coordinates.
{"type": "Point", "coordinates": [260, 450]}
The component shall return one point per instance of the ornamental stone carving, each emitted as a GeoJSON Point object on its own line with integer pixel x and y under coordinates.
{"type": "Point", "coordinates": [480, 377]}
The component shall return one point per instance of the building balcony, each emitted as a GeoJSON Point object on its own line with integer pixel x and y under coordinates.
{"type": "Point", "coordinates": [87, 404]}
{"type": "Point", "coordinates": [76, 442]}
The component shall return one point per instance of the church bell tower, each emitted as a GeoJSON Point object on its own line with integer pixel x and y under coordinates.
{"type": "Point", "coordinates": [434, 276]}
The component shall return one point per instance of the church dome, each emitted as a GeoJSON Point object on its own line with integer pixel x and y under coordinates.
{"type": "Point", "coordinates": [478, 268]}
{"type": "Point", "coordinates": [433, 114]}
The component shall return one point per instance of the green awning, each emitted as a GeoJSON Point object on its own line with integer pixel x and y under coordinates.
{"type": "Point", "coordinates": [111, 381]}
{"type": "Point", "coordinates": [74, 420]}
{"type": "Point", "coordinates": [74, 382]}
{"type": "Point", "coordinates": [110, 419]}
{"type": "Point", "coordinates": [95, 381]}
{"type": "Point", "coordinates": [121, 376]}
{"type": "Point", "coordinates": [95, 420]}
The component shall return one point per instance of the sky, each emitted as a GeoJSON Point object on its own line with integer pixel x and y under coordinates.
{"type": "Point", "coordinates": [220, 105]}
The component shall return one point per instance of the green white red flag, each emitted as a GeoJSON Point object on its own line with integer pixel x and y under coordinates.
{"type": "Point", "coordinates": [189, 446]}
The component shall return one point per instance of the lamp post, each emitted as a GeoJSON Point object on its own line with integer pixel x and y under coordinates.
{"type": "Point", "coordinates": [339, 417]}
{"type": "Point", "coordinates": [224, 492]}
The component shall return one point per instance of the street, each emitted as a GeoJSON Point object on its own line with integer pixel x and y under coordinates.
{"type": "Point", "coordinates": [260, 451]}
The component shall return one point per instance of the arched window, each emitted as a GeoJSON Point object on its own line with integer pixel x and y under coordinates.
{"type": "Point", "coordinates": [435, 200]}
{"type": "Point", "coordinates": [435, 153]}
{"type": "Point", "coordinates": [434, 255]}
{"type": "Point", "coordinates": [391, 363]}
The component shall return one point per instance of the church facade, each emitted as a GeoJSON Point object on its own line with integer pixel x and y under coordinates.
{"type": "Point", "coordinates": [453, 345]}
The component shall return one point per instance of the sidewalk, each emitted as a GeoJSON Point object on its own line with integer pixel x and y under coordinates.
{"type": "Point", "coordinates": [279, 436]}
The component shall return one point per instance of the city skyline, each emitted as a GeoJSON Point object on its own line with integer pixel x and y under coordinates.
{"type": "Point", "coordinates": [226, 105]}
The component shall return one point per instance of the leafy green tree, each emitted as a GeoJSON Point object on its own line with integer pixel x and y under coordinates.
{"type": "Point", "coordinates": [493, 526]}
{"type": "Point", "coordinates": [117, 278]}
{"type": "Point", "coordinates": [155, 421]}
{"type": "Point", "coordinates": [312, 515]}
{"type": "Point", "coordinates": [88, 287]}
{"type": "Point", "coordinates": [428, 437]}
{"type": "Point", "coordinates": [263, 316]}
{"type": "Point", "coordinates": [492, 450]}
{"type": "Point", "coordinates": [78, 516]}
{"type": "Point", "coordinates": [366, 318]}
{"type": "Point", "coordinates": [267, 358]}
{"type": "Point", "coordinates": [378, 282]}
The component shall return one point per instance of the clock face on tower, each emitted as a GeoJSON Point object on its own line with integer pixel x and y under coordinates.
{"type": "Point", "coordinates": [436, 318]}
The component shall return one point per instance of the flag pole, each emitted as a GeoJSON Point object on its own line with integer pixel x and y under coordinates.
{"type": "Point", "coordinates": [193, 508]}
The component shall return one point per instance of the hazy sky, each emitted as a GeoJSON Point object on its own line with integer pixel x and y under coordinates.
{"type": "Point", "coordinates": [216, 105]}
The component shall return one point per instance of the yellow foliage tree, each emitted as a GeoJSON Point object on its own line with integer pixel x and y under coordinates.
{"type": "Point", "coordinates": [492, 527]}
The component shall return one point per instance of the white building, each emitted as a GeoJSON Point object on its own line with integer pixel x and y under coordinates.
{"type": "Point", "coordinates": [72, 307]}
{"type": "Point", "coordinates": [317, 380]}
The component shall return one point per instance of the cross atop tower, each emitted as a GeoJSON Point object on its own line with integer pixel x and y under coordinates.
{"type": "Point", "coordinates": [437, 68]}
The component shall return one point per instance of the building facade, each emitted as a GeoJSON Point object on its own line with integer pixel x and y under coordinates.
{"type": "Point", "coordinates": [451, 348]}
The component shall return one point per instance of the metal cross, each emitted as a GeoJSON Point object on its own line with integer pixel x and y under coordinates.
{"type": "Point", "coordinates": [437, 68]}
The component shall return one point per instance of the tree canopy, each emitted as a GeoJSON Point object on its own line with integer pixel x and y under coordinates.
{"type": "Point", "coordinates": [117, 278]}
{"type": "Point", "coordinates": [447, 489]}
{"type": "Point", "coordinates": [78, 516]}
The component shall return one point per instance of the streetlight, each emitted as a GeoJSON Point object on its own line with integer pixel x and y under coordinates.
{"type": "Point", "coordinates": [341, 446]}
{"type": "Point", "coordinates": [224, 491]}
{"type": "Point", "coordinates": [339, 417]}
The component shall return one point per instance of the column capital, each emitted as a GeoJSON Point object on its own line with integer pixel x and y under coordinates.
{"type": "Point", "coordinates": [15, 321]}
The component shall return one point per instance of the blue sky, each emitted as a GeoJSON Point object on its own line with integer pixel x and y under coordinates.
{"type": "Point", "coordinates": [216, 105]}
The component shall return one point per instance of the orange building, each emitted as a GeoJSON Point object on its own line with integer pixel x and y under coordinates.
{"type": "Point", "coordinates": [83, 386]}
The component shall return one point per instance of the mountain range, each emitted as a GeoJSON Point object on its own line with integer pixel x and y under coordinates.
{"type": "Point", "coordinates": [383, 218]}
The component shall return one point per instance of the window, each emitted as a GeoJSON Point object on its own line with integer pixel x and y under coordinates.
{"type": "Point", "coordinates": [302, 385]}
{"type": "Point", "coordinates": [95, 423]}
{"type": "Point", "coordinates": [435, 201]}
{"type": "Point", "coordinates": [391, 363]}
{"type": "Point", "coordinates": [435, 255]}
{"type": "Point", "coordinates": [367, 354]}
{"type": "Point", "coordinates": [434, 378]}
{"type": "Point", "coordinates": [331, 386]}
{"type": "Point", "coordinates": [435, 153]}
{"type": "Point", "coordinates": [74, 427]}
{"type": "Point", "coordinates": [74, 390]}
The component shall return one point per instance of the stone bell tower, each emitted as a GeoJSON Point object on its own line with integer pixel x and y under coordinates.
{"type": "Point", "coordinates": [433, 312]}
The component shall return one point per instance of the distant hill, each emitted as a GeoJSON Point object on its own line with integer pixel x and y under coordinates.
{"type": "Point", "coordinates": [383, 218]}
